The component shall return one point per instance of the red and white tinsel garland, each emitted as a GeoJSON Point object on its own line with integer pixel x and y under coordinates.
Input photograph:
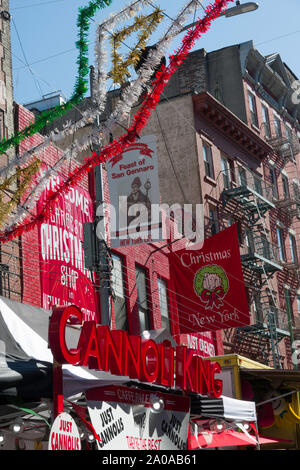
{"type": "Point", "coordinates": [138, 123]}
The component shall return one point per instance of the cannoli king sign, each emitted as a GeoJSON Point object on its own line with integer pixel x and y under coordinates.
{"type": "Point", "coordinates": [116, 352]}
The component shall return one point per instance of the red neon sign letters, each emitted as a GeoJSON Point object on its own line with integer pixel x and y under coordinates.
{"type": "Point", "coordinates": [130, 356]}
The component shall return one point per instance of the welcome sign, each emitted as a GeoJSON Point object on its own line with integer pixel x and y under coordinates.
{"type": "Point", "coordinates": [209, 285]}
{"type": "Point", "coordinates": [64, 278]}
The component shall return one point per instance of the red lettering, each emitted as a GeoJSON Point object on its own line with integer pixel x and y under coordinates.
{"type": "Point", "coordinates": [204, 371]}
{"type": "Point", "coordinates": [149, 361]}
{"type": "Point", "coordinates": [131, 356]}
{"type": "Point", "coordinates": [57, 341]}
{"type": "Point", "coordinates": [117, 352]}
{"type": "Point", "coordinates": [113, 360]}
{"type": "Point", "coordinates": [166, 369]}
{"type": "Point", "coordinates": [186, 369]}
{"type": "Point", "coordinates": [217, 384]}
{"type": "Point", "coordinates": [88, 344]}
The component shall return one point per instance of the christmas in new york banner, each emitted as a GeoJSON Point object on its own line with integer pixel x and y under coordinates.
{"type": "Point", "coordinates": [64, 278]}
{"type": "Point", "coordinates": [209, 285]}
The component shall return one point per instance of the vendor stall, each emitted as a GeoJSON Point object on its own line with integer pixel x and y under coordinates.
{"type": "Point", "coordinates": [118, 391]}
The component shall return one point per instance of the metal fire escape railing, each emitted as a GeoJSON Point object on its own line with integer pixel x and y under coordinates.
{"type": "Point", "coordinates": [260, 254]}
{"type": "Point", "coordinates": [289, 201]}
{"type": "Point", "coordinates": [286, 146]}
{"type": "Point", "coordinates": [247, 191]}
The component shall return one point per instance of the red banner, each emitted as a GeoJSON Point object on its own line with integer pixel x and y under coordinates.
{"type": "Point", "coordinates": [64, 278]}
{"type": "Point", "coordinates": [209, 285]}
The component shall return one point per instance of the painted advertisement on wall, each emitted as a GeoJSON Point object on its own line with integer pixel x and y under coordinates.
{"type": "Point", "coordinates": [133, 190]}
{"type": "Point", "coordinates": [209, 285]}
{"type": "Point", "coordinates": [125, 419]}
{"type": "Point", "coordinates": [64, 278]}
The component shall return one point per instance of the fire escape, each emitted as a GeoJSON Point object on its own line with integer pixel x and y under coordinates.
{"type": "Point", "coordinates": [249, 197]}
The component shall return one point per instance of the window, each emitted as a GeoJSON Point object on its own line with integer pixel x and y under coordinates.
{"type": "Point", "coordinates": [288, 133]}
{"type": "Point", "coordinates": [163, 302]}
{"type": "Point", "coordinates": [285, 187]}
{"type": "Point", "coordinates": [2, 128]}
{"type": "Point", "coordinates": [273, 182]}
{"type": "Point", "coordinates": [242, 176]}
{"type": "Point", "coordinates": [280, 241]}
{"type": "Point", "coordinates": [277, 125]}
{"type": "Point", "coordinates": [141, 285]}
{"type": "Point", "coordinates": [213, 220]}
{"type": "Point", "coordinates": [253, 109]}
{"type": "Point", "coordinates": [293, 248]}
{"type": "Point", "coordinates": [266, 119]}
{"type": "Point", "coordinates": [4, 281]}
{"type": "Point", "coordinates": [119, 294]}
{"type": "Point", "coordinates": [298, 305]}
{"type": "Point", "coordinates": [207, 157]}
{"type": "Point", "coordinates": [289, 310]}
{"type": "Point", "coordinates": [257, 308]}
{"type": "Point", "coordinates": [228, 172]}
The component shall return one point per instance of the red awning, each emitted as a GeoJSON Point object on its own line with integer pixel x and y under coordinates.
{"type": "Point", "coordinates": [228, 438]}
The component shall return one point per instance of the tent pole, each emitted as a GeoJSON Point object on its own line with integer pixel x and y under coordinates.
{"type": "Point", "coordinates": [58, 397]}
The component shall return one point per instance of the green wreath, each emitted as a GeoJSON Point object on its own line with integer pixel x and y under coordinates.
{"type": "Point", "coordinates": [212, 269]}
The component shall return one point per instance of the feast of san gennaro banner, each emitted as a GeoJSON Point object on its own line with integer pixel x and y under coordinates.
{"type": "Point", "coordinates": [125, 419]}
{"type": "Point", "coordinates": [134, 189]}
{"type": "Point", "coordinates": [209, 285]}
{"type": "Point", "coordinates": [64, 278]}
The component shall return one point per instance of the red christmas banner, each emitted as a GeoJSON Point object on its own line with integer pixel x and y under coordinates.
{"type": "Point", "coordinates": [209, 285]}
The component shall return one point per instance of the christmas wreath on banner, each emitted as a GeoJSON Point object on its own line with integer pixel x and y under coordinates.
{"type": "Point", "coordinates": [20, 222]}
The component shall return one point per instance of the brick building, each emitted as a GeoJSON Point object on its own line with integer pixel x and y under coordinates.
{"type": "Point", "coordinates": [228, 133]}
{"type": "Point", "coordinates": [10, 284]}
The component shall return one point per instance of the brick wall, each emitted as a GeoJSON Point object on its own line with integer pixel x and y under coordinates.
{"type": "Point", "coordinates": [30, 262]}
{"type": "Point", "coordinates": [10, 285]}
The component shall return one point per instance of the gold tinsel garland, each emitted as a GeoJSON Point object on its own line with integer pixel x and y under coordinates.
{"type": "Point", "coordinates": [23, 178]}
{"type": "Point", "coordinates": [146, 25]}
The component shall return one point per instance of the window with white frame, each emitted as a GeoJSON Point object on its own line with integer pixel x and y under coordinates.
{"type": "Point", "coordinates": [285, 186]}
{"type": "Point", "coordinates": [281, 243]}
{"type": "Point", "coordinates": [213, 220]}
{"type": "Point", "coordinates": [142, 298]}
{"type": "Point", "coordinates": [293, 247]}
{"type": "Point", "coordinates": [208, 161]}
{"type": "Point", "coordinates": [298, 305]}
{"type": "Point", "coordinates": [277, 126]}
{"type": "Point", "coordinates": [253, 108]}
{"type": "Point", "coordinates": [273, 180]}
{"type": "Point", "coordinates": [227, 171]}
{"type": "Point", "coordinates": [266, 120]}
{"type": "Point", "coordinates": [120, 309]}
{"type": "Point", "coordinates": [163, 303]}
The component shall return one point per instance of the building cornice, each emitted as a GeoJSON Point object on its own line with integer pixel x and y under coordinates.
{"type": "Point", "coordinates": [230, 125]}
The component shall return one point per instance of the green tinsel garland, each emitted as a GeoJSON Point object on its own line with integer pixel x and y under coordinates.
{"type": "Point", "coordinates": [81, 83]}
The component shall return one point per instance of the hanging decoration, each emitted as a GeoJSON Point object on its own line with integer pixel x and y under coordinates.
{"type": "Point", "coordinates": [23, 177]}
{"type": "Point", "coordinates": [129, 96]}
{"type": "Point", "coordinates": [46, 117]}
{"type": "Point", "coordinates": [146, 25]}
{"type": "Point", "coordinates": [138, 123]}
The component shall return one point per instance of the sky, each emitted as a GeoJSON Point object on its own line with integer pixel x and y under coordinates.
{"type": "Point", "coordinates": [44, 32]}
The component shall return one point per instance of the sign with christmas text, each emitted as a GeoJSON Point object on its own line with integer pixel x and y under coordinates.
{"type": "Point", "coordinates": [209, 285]}
{"type": "Point", "coordinates": [64, 278]}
